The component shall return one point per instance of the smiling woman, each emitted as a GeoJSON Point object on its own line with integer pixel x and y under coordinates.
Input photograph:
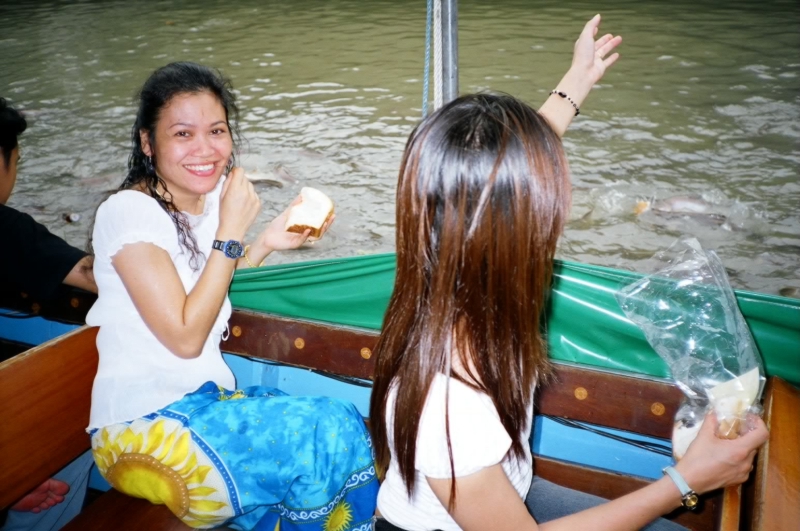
{"type": "Point", "coordinates": [165, 424]}
{"type": "Point", "coordinates": [192, 147]}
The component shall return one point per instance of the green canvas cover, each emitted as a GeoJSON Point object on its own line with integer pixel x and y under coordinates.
{"type": "Point", "coordinates": [584, 324]}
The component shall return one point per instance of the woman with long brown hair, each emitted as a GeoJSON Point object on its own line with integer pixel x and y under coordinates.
{"type": "Point", "coordinates": [482, 198]}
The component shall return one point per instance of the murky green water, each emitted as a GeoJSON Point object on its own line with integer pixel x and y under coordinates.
{"type": "Point", "coordinates": [705, 103]}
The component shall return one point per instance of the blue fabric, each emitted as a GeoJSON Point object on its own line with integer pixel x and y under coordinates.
{"type": "Point", "coordinates": [302, 462]}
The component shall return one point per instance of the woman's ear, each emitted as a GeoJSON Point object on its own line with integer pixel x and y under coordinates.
{"type": "Point", "coordinates": [144, 138]}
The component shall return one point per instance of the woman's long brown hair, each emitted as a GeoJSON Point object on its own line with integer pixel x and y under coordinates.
{"type": "Point", "coordinates": [482, 197]}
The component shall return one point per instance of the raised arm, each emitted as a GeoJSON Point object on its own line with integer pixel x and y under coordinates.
{"type": "Point", "coordinates": [487, 500]}
{"type": "Point", "coordinates": [182, 321]}
{"type": "Point", "coordinates": [589, 63]}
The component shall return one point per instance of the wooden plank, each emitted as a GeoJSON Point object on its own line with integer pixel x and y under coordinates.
{"type": "Point", "coordinates": [324, 347]}
{"type": "Point", "coordinates": [69, 305]}
{"type": "Point", "coordinates": [776, 503]}
{"type": "Point", "coordinates": [611, 485]}
{"type": "Point", "coordinates": [615, 400]}
{"type": "Point", "coordinates": [117, 511]}
{"type": "Point", "coordinates": [731, 509]}
{"type": "Point", "coordinates": [45, 395]}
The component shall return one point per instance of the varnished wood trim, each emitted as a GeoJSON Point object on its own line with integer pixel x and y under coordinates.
{"type": "Point", "coordinates": [45, 395]}
{"type": "Point", "coordinates": [70, 305]}
{"type": "Point", "coordinates": [119, 512]}
{"type": "Point", "coordinates": [731, 509]}
{"type": "Point", "coordinates": [626, 402]}
{"type": "Point", "coordinates": [776, 506]}
{"type": "Point", "coordinates": [324, 347]}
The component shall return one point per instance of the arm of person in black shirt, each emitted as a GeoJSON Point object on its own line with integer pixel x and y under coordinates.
{"type": "Point", "coordinates": [82, 275]}
{"type": "Point", "coordinates": [38, 261]}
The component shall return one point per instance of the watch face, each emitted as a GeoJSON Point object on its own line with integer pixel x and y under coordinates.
{"type": "Point", "coordinates": [233, 249]}
{"type": "Point", "coordinates": [690, 501]}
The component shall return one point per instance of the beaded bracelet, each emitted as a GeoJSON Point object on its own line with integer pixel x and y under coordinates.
{"type": "Point", "coordinates": [246, 259]}
{"type": "Point", "coordinates": [564, 95]}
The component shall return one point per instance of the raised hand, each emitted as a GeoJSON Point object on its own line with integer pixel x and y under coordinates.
{"type": "Point", "coordinates": [590, 60]}
{"type": "Point", "coordinates": [275, 237]}
{"type": "Point", "coordinates": [589, 57]}
{"type": "Point", "coordinates": [239, 206]}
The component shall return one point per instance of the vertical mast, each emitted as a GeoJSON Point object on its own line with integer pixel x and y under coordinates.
{"type": "Point", "coordinates": [449, 50]}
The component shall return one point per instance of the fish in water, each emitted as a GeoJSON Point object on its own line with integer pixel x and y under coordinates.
{"type": "Point", "coordinates": [278, 177]}
{"type": "Point", "coordinates": [790, 291]}
{"type": "Point", "coordinates": [682, 206]}
{"type": "Point", "coordinates": [676, 205]}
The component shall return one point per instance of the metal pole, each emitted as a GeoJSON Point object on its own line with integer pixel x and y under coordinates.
{"type": "Point", "coordinates": [449, 50]}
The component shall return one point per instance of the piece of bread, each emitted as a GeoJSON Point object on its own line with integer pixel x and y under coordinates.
{"type": "Point", "coordinates": [312, 213]}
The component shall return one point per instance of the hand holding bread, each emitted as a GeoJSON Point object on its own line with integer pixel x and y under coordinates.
{"type": "Point", "coordinates": [312, 213]}
{"type": "Point", "coordinates": [306, 219]}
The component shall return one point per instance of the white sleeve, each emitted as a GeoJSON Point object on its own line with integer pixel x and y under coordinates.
{"type": "Point", "coordinates": [477, 436]}
{"type": "Point", "coordinates": [131, 217]}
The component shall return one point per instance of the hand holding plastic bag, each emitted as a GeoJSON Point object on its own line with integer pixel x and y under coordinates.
{"type": "Point", "coordinates": [689, 315]}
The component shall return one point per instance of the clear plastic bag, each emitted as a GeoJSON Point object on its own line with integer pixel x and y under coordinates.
{"type": "Point", "coordinates": [689, 315]}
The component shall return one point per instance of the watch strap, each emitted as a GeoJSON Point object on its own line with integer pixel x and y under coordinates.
{"type": "Point", "coordinates": [688, 495]}
{"type": "Point", "coordinates": [231, 248]}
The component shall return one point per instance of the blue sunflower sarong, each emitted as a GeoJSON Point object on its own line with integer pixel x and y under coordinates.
{"type": "Point", "coordinates": [252, 459]}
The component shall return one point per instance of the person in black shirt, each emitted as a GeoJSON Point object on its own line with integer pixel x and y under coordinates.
{"type": "Point", "coordinates": [37, 262]}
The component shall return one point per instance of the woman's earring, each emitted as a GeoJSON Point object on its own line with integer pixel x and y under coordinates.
{"type": "Point", "coordinates": [229, 167]}
{"type": "Point", "coordinates": [148, 165]}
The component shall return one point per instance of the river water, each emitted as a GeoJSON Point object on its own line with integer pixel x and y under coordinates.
{"type": "Point", "coordinates": [702, 111]}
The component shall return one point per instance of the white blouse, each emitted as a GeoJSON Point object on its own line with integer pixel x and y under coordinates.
{"type": "Point", "coordinates": [138, 375]}
{"type": "Point", "coordinates": [478, 440]}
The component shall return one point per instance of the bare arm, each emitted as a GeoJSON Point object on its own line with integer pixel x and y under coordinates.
{"type": "Point", "coordinates": [82, 275]}
{"type": "Point", "coordinates": [709, 464]}
{"type": "Point", "coordinates": [182, 321]}
{"type": "Point", "coordinates": [589, 63]}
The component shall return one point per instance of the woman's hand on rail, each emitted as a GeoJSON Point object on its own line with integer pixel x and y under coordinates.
{"type": "Point", "coordinates": [239, 206]}
{"type": "Point", "coordinates": [590, 60]}
{"type": "Point", "coordinates": [711, 462]}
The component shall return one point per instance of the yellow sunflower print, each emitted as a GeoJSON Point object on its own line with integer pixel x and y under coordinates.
{"type": "Point", "coordinates": [157, 460]}
{"type": "Point", "coordinates": [340, 517]}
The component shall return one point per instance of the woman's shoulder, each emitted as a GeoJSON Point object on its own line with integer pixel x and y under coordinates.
{"type": "Point", "coordinates": [126, 197]}
{"type": "Point", "coordinates": [130, 215]}
{"type": "Point", "coordinates": [131, 204]}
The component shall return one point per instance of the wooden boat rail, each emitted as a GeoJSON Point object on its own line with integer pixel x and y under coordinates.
{"type": "Point", "coordinates": [46, 392]}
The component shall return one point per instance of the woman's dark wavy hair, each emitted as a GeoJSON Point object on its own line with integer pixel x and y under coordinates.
{"type": "Point", "coordinates": [12, 124]}
{"type": "Point", "coordinates": [482, 198]}
{"type": "Point", "coordinates": [164, 84]}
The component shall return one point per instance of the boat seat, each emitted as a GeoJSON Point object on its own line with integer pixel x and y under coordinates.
{"type": "Point", "coordinates": [46, 392]}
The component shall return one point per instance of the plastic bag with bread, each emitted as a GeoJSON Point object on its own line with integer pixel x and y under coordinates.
{"type": "Point", "coordinates": [313, 211]}
{"type": "Point", "coordinates": [689, 315]}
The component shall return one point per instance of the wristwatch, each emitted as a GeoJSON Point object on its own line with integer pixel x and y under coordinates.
{"type": "Point", "coordinates": [688, 496]}
{"type": "Point", "coordinates": [231, 248]}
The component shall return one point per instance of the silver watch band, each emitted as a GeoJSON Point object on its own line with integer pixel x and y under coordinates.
{"type": "Point", "coordinates": [688, 495]}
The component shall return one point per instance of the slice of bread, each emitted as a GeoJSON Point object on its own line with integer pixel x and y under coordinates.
{"type": "Point", "coordinates": [312, 213]}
